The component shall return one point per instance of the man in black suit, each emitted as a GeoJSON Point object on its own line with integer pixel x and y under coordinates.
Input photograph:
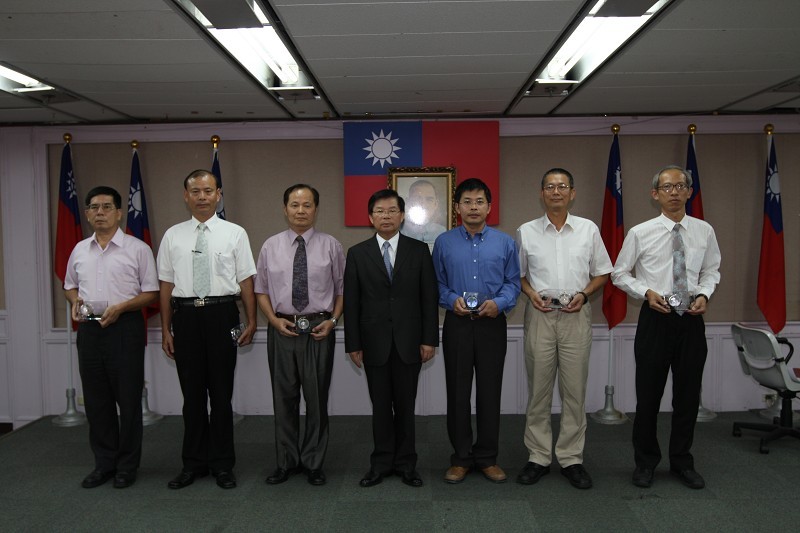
{"type": "Point", "coordinates": [392, 327]}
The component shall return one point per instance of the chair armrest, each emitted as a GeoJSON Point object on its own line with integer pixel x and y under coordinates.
{"type": "Point", "coordinates": [784, 340]}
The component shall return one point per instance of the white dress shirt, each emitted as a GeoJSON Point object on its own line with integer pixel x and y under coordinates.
{"type": "Point", "coordinates": [392, 245]}
{"type": "Point", "coordinates": [648, 249]}
{"type": "Point", "coordinates": [566, 259]}
{"type": "Point", "coordinates": [231, 257]}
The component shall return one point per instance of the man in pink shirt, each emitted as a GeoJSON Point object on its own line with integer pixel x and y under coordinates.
{"type": "Point", "coordinates": [299, 289]}
{"type": "Point", "coordinates": [110, 278]}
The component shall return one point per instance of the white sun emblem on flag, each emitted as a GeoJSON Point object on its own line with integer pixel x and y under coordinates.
{"type": "Point", "coordinates": [618, 178]}
{"type": "Point", "coordinates": [70, 185]}
{"type": "Point", "coordinates": [135, 201]}
{"type": "Point", "coordinates": [382, 148]}
{"type": "Point", "coordinates": [774, 186]}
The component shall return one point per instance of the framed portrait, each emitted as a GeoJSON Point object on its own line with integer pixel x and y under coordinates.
{"type": "Point", "coordinates": [428, 194]}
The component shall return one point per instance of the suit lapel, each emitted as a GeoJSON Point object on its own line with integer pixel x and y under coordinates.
{"type": "Point", "coordinates": [375, 254]}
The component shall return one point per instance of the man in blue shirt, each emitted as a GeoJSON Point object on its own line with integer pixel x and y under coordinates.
{"type": "Point", "coordinates": [477, 268]}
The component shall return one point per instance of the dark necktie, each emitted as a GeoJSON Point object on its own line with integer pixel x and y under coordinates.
{"type": "Point", "coordinates": [387, 260]}
{"type": "Point", "coordinates": [300, 276]}
{"type": "Point", "coordinates": [680, 284]}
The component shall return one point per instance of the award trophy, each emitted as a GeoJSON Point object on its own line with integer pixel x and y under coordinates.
{"type": "Point", "coordinates": [473, 301]}
{"type": "Point", "coordinates": [303, 325]}
{"type": "Point", "coordinates": [556, 298]}
{"type": "Point", "coordinates": [92, 309]}
{"type": "Point", "coordinates": [679, 300]}
{"type": "Point", "coordinates": [236, 332]}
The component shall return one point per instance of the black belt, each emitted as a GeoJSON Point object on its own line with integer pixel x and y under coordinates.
{"type": "Point", "coordinates": [323, 315]}
{"type": "Point", "coordinates": [202, 302]}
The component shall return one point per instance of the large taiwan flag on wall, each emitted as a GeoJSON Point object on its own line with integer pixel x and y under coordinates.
{"type": "Point", "coordinates": [371, 148]}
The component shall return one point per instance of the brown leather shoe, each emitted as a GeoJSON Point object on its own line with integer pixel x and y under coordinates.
{"type": "Point", "coordinates": [456, 474]}
{"type": "Point", "coordinates": [494, 474]}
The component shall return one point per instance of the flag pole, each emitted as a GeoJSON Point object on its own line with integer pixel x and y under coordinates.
{"type": "Point", "coordinates": [215, 140]}
{"type": "Point", "coordinates": [609, 414]}
{"type": "Point", "coordinates": [70, 417]}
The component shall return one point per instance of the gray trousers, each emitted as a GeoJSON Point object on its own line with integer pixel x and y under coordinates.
{"type": "Point", "coordinates": [295, 363]}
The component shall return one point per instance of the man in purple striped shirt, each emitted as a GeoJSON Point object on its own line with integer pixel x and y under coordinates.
{"type": "Point", "coordinates": [299, 289]}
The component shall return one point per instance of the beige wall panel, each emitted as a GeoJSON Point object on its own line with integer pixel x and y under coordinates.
{"type": "Point", "coordinates": [255, 174]}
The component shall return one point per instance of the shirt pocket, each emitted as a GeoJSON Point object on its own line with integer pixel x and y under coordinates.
{"type": "Point", "coordinates": [579, 257]}
{"type": "Point", "coordinates": [694, 262]}
{"type": "Point", "coordinates": [225, 265]}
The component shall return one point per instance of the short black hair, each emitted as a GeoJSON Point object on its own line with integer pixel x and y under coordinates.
{"type": "Point", "coordinates": [199, 173]}
{"type": "Point", "coordinates": [558, 170]}
{"type": "Point", "coordinates": [472, 184]}
{"type": "Point", "coordinates": [298, 186]}
{"type": "Point", "coordinates": [384, 194]}
{"type": "Point", "coordinates": [105, 191]}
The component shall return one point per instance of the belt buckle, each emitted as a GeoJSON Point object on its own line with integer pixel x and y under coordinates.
{"type": "Point", "coordinates": [199, 302]}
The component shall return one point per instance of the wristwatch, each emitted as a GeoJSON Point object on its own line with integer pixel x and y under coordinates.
{"type": "Point", "coordinates": [335, 320]}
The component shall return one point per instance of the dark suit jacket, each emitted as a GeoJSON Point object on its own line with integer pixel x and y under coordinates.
{"type": "Point", "coordinates": [377, 311]}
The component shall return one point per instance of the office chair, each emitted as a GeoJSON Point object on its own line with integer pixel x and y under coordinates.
{"type": "Point", "coordinates": [761, 358]}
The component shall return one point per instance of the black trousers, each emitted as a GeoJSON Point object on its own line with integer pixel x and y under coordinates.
{"type": "Point", "coordinates": [205, 355]}
{"type": "Point", "coordinates": [665, 342]}
{"type": "Point", "coordinates": [111, 363]}
{"type": "Point", "coordinates": [474, 348]}
{"type": "Point", "coordinates": [296, 362]}
{"type": "Point", "coordinates": [393, 391]}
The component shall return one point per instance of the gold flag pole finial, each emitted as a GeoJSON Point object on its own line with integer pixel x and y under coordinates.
{"type": "Point", "coordinates": [215, 140]}
{"type": "Point", "coordinates": [67, 137]}
{"type": "Point", "coordinates": [692, 129]}
{"type": "Point", "coordinates": [615, 129]}
{"type": "Point", "coordinates": [134, 144]}
{"type": "Point", "coordinates": [768, 129]}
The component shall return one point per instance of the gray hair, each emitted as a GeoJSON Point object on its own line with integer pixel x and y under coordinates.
{"type": "Point", "coordinates": [687, 176]}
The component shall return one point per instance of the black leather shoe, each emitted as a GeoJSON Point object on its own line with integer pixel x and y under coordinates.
{"type": "Point", "coordinates": [316, 477]}
{"type": "Point", "coordinates": [643, 477]}
{"type": "Point", "coordinates": [123, 479]}
{"type": "Point", "coordinates": [282, 474]}
{"type": "Point", "coordinates": [531, 473]}
{"type": "Point", "coordinates": [578, 476]}
{"type": "Point", "coordinates": [185, 478]}
{"type": "Point", "coordinates": [410, 478]}
{"type": "Point", "coordinates": [689, 477]}
{"type": "Point", "coordinates": [225, 479]}
{"type": "Point", "coordinates": [96, 478]}
{"type": "Point", "coordinates": [372, 478]}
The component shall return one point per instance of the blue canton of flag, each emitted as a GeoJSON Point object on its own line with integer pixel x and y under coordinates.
{"type": "Point", "coordinates": [694, 207]}
{"type": "Point", "coordinates": [772, 198]}
{"type": "Point", "coordinates": [68, 227]}
{"type": "Point", "coordinates": [137, 223]}
{"type": "Point", "coordinates": [218, 173]}
{"type": "Point", "coordinates": [372, 147]}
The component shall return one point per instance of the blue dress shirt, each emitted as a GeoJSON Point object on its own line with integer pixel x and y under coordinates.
{"type": "Point", "coordinates": [487, 263]}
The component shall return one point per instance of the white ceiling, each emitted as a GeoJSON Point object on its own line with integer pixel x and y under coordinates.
{"type": "Point", "coordinates": [129, 61]}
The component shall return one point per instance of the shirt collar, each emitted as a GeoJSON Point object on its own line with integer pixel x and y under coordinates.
{"type": "Point", "coordinates": [116, 239]}
{"type": "Point", "coordinates": [669, 223]}
{"type": "Point", "coordinates": [466, 235]}
{"type": "Point", "coordinates": [307, 235]}
{"type": "Point", "coordinates": [392, 242]}
{"type": "Point", "coordinates": [210, 223]}
{"type": "Point", "coordinates": [547, 224]}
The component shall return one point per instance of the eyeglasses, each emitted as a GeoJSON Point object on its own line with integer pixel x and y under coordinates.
{"type": "Point", "coordinates": [667, 187]}
{"type": "Point", "coordinates": [562, 187]}
{"type": "Point", "coordinates": [476, 203]}
{"type": "Point", "coordinates": [94, 208]}
{"type": "Point", "coordinates": [388, 212]}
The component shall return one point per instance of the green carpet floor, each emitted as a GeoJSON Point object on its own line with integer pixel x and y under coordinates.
{"type": "Point", "coordinates": [41, 467]}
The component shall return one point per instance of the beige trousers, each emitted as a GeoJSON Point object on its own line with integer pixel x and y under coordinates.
{"type": "Point", "coordinates": [561, 342]}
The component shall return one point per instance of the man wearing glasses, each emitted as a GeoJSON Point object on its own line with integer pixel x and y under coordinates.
{"type": "Point", "coordinates": [110, 278]}
{"type": "Point", "coordinates": [563, 261]}
{"type": "Point", "coordinates": [391, 327]}
{"type": "Point", "coordinates": [477, 268]}
{"type": "Point", "coordinates": [676, 259]}
{"type": "Point", "coordinates": [299, 289]}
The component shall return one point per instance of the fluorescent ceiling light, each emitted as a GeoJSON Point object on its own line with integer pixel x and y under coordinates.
{"type": "Point", "coordinates": [258, 49]}
{"type": "Point", "coordinates": [595, 39]}
{"type": "Point", "coordinates": [27, 83]}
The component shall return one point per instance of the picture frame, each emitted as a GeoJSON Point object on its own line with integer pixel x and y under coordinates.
{"type": "Point", "coordinates": [428, 194]}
